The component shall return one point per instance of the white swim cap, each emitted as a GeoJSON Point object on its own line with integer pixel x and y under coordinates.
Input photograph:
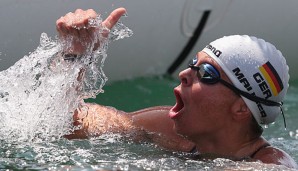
{"type": "Point", "coordinates": [256, 67]}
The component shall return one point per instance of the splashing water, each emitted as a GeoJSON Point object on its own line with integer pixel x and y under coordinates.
{"type": "Point", "coordinates": [37, 98]}
{"type": "Point", "coordinates": [39, 94]}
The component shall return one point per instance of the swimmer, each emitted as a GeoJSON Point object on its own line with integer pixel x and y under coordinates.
{"type": "Point", "coordinates": [229, 89]}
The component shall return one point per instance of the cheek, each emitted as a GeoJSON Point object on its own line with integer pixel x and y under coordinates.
{"type": "Point", "coordinates": [211, 100]}
{"type": "Point", "coordinates": [201, 103]}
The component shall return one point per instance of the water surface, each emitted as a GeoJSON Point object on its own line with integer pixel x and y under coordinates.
{"type": "Point", "coordinates": [112, 151]}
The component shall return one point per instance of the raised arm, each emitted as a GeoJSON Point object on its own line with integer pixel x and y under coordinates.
{"type": "Point", "coordinates": [152, 124]}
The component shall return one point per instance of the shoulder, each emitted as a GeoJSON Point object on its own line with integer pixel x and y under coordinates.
{"type": "Point", "coordinates": [277, 156]}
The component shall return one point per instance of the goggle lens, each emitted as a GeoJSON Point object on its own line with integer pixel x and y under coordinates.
{"type": "Point", "coordinates": [205, 72]}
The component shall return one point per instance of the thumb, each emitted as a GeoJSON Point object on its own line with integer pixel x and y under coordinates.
{"type": "Point", "coordinates": [113, 17]}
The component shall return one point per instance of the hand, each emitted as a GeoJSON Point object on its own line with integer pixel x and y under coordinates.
{"type": "Point", "coordinates": [81, 121]}
{"type": "Point", "coordinates": [95, 120]}
{"type": "Point", "coordinates": [76, 25]}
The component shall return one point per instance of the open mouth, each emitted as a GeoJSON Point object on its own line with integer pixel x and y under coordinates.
{"type": "Point", "coordinates": [176, 110]}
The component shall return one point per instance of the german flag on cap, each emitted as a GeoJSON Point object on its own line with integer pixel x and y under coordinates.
{"type": "Point", "coordinates": [272, 78]}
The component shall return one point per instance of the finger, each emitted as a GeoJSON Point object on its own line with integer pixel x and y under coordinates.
{"type": "Point", "coordinates": [70, 24]}
{"type": "Point", "coordinates": [61, 27]}
{"type": "Point", "coordinates": [81, 19]}
{"type": "Point", "coordinates": [78, 10]}
{"type": "Point", "coordinates": [69, 20]}
{"type": "Point", "coordinates": [114, 17]}
{"type": "Point", "coordinates": [76, 114]}
{"type": "Point", "coordinates": [76, 120]}
{"type": "Point", "coordinates": [91, 13]}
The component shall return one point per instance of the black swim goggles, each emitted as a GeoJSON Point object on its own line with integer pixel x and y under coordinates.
{"type": "Point", "coordinates": [208, 74]}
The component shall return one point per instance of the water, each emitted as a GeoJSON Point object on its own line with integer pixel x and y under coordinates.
{"type": "Point", "coordinates": [147, 92]}
{"type": "Point", "coordinates": [39, 93]}
{"type": "Point", "coordinates": [111, 151]}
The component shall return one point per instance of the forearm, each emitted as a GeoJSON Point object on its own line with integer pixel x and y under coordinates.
{"type": "Point", "coordinates": [150, 125]}
{"type": "Point", "coordinates": [158, 128]}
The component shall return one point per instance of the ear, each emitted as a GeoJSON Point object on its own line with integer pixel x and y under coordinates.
{"type": "Point", "coordinates": [240, 110]}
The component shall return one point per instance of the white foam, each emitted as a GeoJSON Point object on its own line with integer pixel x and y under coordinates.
{"type": "Point", "coordinates": [39, 94]}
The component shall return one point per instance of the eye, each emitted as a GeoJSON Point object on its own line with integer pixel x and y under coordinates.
{"type": "Point", "coordinates": [204, 73]}
{"type": "Point", "coordinates": [193, 61]}
{"type": "Point", "coordinates": [210, 71]}
{"type": "Point", "coordinates": [208, 74]}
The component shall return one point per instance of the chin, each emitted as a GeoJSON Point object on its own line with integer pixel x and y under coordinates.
{"type": "Point", "coordinates": [180, 130]}
{"type": "Point", "coordinates": [187, 132]}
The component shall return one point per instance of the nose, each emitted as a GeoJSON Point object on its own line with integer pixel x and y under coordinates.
{"type": "Point", "coordinates": [186, 77]}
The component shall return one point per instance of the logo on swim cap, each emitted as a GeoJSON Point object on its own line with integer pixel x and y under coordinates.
{"type": "Point", "coordinates": [214, 50]}
{"type": "Point", "coordinates": [272, 78]}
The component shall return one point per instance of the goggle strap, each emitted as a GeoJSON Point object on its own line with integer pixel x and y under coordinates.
{"type": "Point", "coordinates": [249, 96]}
{"type": "Point", "coordinates": [283, 115]}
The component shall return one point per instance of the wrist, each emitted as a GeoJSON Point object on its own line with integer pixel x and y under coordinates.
{"type": "Point", "coordinates": [69, 56]}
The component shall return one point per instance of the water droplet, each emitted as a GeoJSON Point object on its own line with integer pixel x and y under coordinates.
{"type": "Point", "coordinates": [125, 14]}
